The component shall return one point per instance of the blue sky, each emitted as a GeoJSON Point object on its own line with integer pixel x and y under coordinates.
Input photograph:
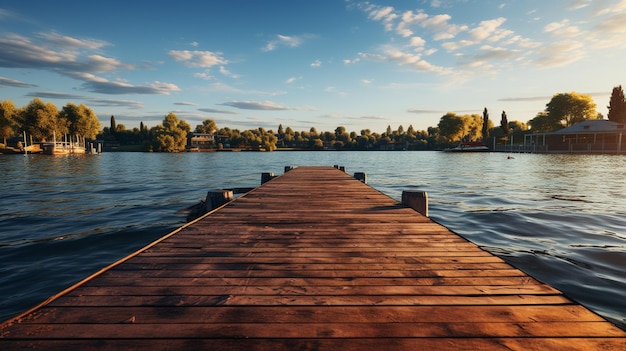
{"type": "Point", "coordinates": [313, 63]}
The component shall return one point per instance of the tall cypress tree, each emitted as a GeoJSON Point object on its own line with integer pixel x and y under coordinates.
{"type": "Point", "coordinates": [617, 106]}
{"type": "Point", "coordinates": [485, 124]}
{"type": "Point", "coordinates": [113, 125]}
{"type": "Point", "coordinates": [504, 123]}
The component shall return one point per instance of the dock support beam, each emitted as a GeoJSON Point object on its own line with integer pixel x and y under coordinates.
{"type": "Point", "coordinates": [361, 176]}
{"type": "Point", "coordinates": [217, 198]}
{"type": "Point", "coordinates": [417, 200]}
{"type": "Point", "coordinates": [288, 168]}
{"type": "Point", "coordinates": [266, 177]}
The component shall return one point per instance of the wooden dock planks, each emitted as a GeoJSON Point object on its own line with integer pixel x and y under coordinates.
{"type": "Point", "coordinates": [312, 260]}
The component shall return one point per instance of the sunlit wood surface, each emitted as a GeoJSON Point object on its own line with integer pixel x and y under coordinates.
{"type": "Point", "coordinates": [312, 260]}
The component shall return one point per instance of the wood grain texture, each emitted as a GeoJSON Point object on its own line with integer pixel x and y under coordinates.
{"type": "Point", "coordinates": [311, 260]}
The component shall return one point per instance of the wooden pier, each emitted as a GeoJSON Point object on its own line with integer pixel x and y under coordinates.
{"type": "Point", "coordinates": [311, 260]}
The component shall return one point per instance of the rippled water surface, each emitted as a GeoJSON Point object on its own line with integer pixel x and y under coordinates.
{"type": "Point", "coordinates": [560, 218]}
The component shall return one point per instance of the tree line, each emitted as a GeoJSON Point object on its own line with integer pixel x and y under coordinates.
{"type": "Point", "coordinates": [42, 120]}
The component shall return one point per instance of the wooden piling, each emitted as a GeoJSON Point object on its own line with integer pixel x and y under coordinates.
{"type": "Point", "coordinates": [217, 198]}
{"type": "Point", "coordinates": [266, 177]}
{"type": "Point", "coordinates": [361, 176]}
{"type": "Point", "coordinates": [417, 200]}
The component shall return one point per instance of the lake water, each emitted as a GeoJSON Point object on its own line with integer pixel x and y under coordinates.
{"type": "Point", "coordinates": [560, 218]}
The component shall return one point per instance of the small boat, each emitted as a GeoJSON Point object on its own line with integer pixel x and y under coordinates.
{"type": "Point", "coordinates": [469, 146]}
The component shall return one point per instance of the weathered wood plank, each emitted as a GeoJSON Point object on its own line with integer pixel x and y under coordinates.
{"type": "Point", "coordinates": [329, 343]}
{"type": "Point", "coordinates": [167, 298]}
{"type": "Point", "coordinates": [269, 330]}
{"type": "Point", "coordinates": [291, 290]}
{"type": "Point", "coordinates": [314, 314]}
{"type": "Point", "coordinates": [200, 261]}
{"type": "Point", "coordinates": [144, 277]}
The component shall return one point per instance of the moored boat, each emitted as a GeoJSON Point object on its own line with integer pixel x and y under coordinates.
{"type": "Point", "coordinates": [63, 147]}
{"type": "Point", "coordinates": [469, 146]}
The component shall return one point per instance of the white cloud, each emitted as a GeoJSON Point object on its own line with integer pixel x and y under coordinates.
{"type": "Point", "coordinates": [385, 15]}
{"type": "Point", "coordinates": [489, 52]}
{"type": "Point", "coordinates": [213, 110]}
{"type": "Point", "coordinates": [486, 29]}
{"type": "Point", "coordinates": [417, 41]}
{"type": "Point", "coordinates": [578, 4]}
{"type": "Point", "coordinates": [203, 75]}
{"type": "Point", "coordinates": [8, 82]}
{"type": "Point", "coordinates": [453, 46]}
{"type": "Point", "coordinates": [283, 41]}
{"type": "Point", "coordinates": [257, 105]}
{"type": "Point", "coordinates": [291, 80]}
{"type": "Point", "coordinates": [70, 42]}
{"type": "Point", "coordinates": [228, 73]}
{"type": "Point", "coordinates": [117, 103]}
{"type": "Point", "coordinates": [560, 53]}
{"type": "Point", "coordinates": [561, 29]}
{"type": "Point", "coordinates": [316, 64]}
{"type": "Point", "coordinates": [406, 59]}
{"type": "Point", "coordinates": [103, 86]}
{"type": "Point", "coordinates": [334, 90]}
{"type": "Point", "coordinates": [408, 19]}
{"type": "Point", "coordinates": [522, 42]}
{"type": "Point", "coordinates": [103, 64]}
{"type": "Point", "coordinates": [603, 8]}
{"type": "Point", "coordinates": [614, 24]}
{"type": "Point", "coordinates": [442, 29]}
{"type": "Point", "coordinates": [202, 59]}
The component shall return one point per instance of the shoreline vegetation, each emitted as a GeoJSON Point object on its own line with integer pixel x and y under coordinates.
{"type": "Point", "coordinates": [40, 121]}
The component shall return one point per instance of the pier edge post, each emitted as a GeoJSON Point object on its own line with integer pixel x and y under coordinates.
{"type": "Point", "coordinates": [361, 176]}
{"type": "Point", "coordinates": [417, 200]}
{"type": "Point", "coordinates": [266, 177]}
{"type": "Point", "coordinates": [288, 168]}
{"type": "Point", "coordinates": [217, 198]}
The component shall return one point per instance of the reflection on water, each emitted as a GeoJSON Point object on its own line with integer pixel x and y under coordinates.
{"type": "Point", "coordinates": [560, 218]}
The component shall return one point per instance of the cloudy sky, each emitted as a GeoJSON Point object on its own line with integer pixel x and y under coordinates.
{"type": "Point", "coordinates": [310, 63]}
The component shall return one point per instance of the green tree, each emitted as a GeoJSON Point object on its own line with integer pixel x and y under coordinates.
{"type": "Point", "coordinates": [113, 127]}
{"type": "Point", "coordinates": [453, 128]}
{"type": "Point", "coordinates": [82, 121]}
{"type": "Point", "coordinates": [388, 132]}
{"type": "Point", "coordinates": [410, 130]}
{"type": "Point", "coordinates": [544, 123]}
{"type": "Point", "coordinates": [571, 108]}
{"type": "Point", "coordinates": [617, 106]}
{"type": "Point", "coordinates": [208, 126]}
{"type": "Point", "coordinates": [474, 124]}
{"type": "Point", "coordinates": [8, 122]}
{"type": "Point", "coordinates": [171, 136]}
{"type": "Point", "coordinates": [485, 129]}
{"type": "Point", "coordinates": [39, 119]}
{"type": "Point", "coordinates": [504, 123]}
{"type": "Point", "coordinates": [289, 137]}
